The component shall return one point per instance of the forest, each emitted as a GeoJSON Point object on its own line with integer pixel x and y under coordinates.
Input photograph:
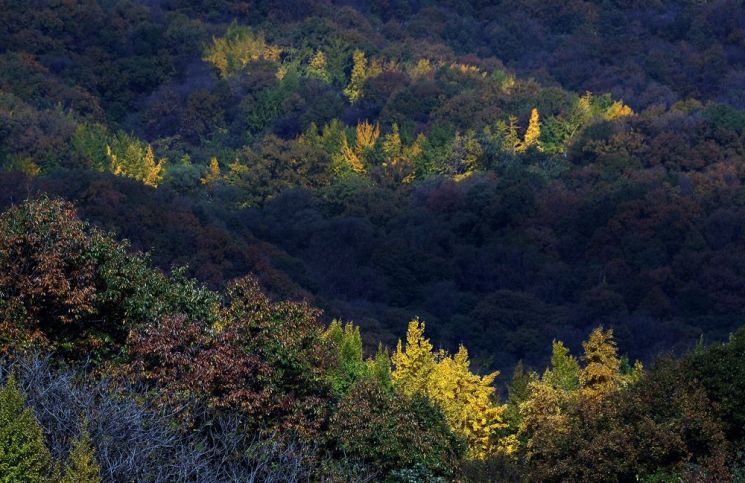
{"type": "Point", "coordinates": [400, 241]}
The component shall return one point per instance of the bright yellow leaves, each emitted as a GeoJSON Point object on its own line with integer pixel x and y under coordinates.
{"type": "Point", "coordinates": [213, 172]}
{"type": "Point", "coordinates": [359, 74]}
{"type": "Point", "coordinates": [532, 136]}
{"type": "Point", "coordinates": [423, 68]}
{"type": "Point", "coordinates": [131, 158]}
{"type": "Point", "coordinates": [366, 137]}
{"type": "Point", "coordinates": [318, 67]}
{"type": "Point", "coordinates": [239, 47]}
{"type": "Point", "coordinates": [466, 399]}
{"type": "Point", "coordinates": [618, 110]}
{"type": "Point", "coordinates": [414, 363]}
{"type": "Point", "coordinates": [601, 374]}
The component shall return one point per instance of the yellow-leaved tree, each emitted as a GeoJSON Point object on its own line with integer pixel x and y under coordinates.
{"type": "Point", "coordinates": [359, 74]}
{"type": "Point", "coordinates": [213, 172]}
{"type": "Point", "coordinates": [413, 363]}
{"type": "Point", "coordinates": [366, 138]}
{"type": "Point", "coordinates": [533, 133]}
{"type": "Point", "coordinates": [130, 157]}
{"type": "Point", "coordinates": [602, 372]}
{"type": "Point", "coordinates": [467, 399]}
{"type": "Point", "coordinates": [317, 67]}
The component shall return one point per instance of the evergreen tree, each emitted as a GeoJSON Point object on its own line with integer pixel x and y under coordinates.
{"type": "Point", "coordinates": [564, 372]}
{"type": "Point", "coordinates": [518, 391]}
{"type": "Point", "coordinates": [379, 367]}
{"type": "Point", "coordinates": [81, 466]}
{"type": "Point", "coordinates": [23, 455]}
{"type": "Point", "coordinates": [346, 343]}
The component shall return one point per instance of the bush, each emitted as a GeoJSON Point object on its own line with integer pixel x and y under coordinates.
{"type": "Point", "coordinates": [390, 432]}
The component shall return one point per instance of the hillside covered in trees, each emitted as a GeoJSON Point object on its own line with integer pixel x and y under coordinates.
{"type": "Point", "coordinates": [227, 224]}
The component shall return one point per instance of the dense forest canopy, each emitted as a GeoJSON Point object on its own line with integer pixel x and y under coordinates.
{"type": "Point", "coordinates": [510, 171]}
{"type": "Point", "coordinates": [515, 174]}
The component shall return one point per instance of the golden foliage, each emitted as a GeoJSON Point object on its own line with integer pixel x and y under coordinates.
{"type": "Point", "coordinates": [366, 137]}
{"type": "Point", "coordinates": [317, 67]}
{"type": "Point", "coordinates": [466, 399]}
{"type": "Point", "coordinates": [532, 134]}
{"type": "Point", "coordinates": [213, 172]}
{"type": "Point", "coordinates": [618, 110]}
{"type": "Point", "coordinates": [359, 74]}
{"type": "Point", "coordinates": [239, 47]}
{"type": "Point", "coordinates": [415, 363]}
{"type": "Point", "coordinates": [423, 68]}
{"type": "Point", "coordinates": [351, 158]}
{"type": "Point", "coordinates": [152, 171]}
{"type": "Point", "coordinates": [135, 162]}
{"type": "Point", "coordinates": [601, 374]}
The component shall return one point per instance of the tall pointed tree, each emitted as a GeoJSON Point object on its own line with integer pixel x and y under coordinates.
{"type": "Point", "coordinates": [413, 364]}
{"type": "Point", "coordinates": [533, 133]}
{"type": "Point", "coordinates": [601, 374]}
{"type": "Point", "coordinates": [359, 74]}
{"type": "Point", "coordinates": [81, 466]}
{"type": "Point", "coordinates": [564, 372]}
{"type": "Point", "coordinates": [23, 455]}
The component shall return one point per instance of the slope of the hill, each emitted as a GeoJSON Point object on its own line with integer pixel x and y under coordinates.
{"type": "Point", "coordinates": [392, 159]}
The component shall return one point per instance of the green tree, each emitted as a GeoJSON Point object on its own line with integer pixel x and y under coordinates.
{"type": "Point", "coordinates": [564, 372]}
{"type": "Point", "coordinates": [720, 368]}
{"type": "Point", "coordinates": [24, 458]}
{"type": "Point", "coordinates": [346, 343]}
{"type": "Point", "coordinates": [81, 465]}
{"type": "Point", "coordinates": [391, 432]}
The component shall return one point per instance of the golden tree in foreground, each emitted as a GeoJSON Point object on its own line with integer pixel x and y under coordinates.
{"type": "Point", "coordinates": [466, 399]}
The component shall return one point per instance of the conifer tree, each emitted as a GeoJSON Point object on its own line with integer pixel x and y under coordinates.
{"type": "Point", "coordinates": [601, 374]}
{"type": "Point", "coordinates": [23, 454]}
{"type": "Point", "coordinates": [213, 172]}
{"type": "Point", "coordinates": [518, 391]}
{"type": "Point", "coordinates": [533, 133]}
{"type": "Point", "coordinates": [350, 157]}
{"type": "Point", "coordinates": [414, 363]}
{"type": "Point", "coordinates": [379, 367]}
{"type": "Point", "coordinates": [366, 137]}
{"type": "Point", "coordinates": [564, 372]}
{"type": "Point", "coordinates": [81, 466]}
{"type": "Point", "coordinates": [359, 74]}
{"type": "Point", "coordinates": [317, 67]}
{"type": "Point", "coordinates": [466, 400]}
{"type": "Point", "coordinates": [152, 171]}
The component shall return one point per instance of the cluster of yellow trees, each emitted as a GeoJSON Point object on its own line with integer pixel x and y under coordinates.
{"type": "Point", "coordinates": [532, 414]}
{"type": "Point", "coordinates": [239, 47]}
{"type": "Point", "coordinates": [467, 400]}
